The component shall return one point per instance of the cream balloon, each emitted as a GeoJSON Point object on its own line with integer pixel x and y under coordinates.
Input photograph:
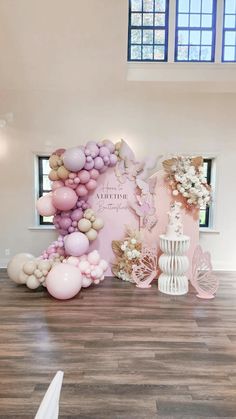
{"type": "Point", "coordinates": [84, 225]}
{"type": "Point", "coordinates": [98, 224]}
{"type": "Point", "coordinates": [14, 267]}
{"type": "Point", "coordinates": [29, 267]}
{"type": "Point", "coordinates": [91, 234]}
{"type": "Point", "coordinates": [32, 282]}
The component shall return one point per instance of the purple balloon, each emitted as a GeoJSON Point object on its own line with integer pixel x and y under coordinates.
{"type": "Point", "coordinates": [89, 165]}
{"type": "Point", "coordinates": [77, 214]}
{"type": "Point", "coordinates": [65, 223]}
{"type": "Point", "coordinates": [104, 151]}
{"type": "Point", "coordinates": [74, 159]}
{"type": "Point", "coordinates": [113, 159]}
{"type": "Point", "coordinates": [98, 163]}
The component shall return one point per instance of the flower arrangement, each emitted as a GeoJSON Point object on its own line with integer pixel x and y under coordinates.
{"type": "Point", "coordinates": [127, 252]}
{"type": "Point", "coordinates": [185, 176]}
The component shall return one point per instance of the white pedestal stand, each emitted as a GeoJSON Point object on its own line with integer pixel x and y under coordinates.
{"type": "Point", "coordinates": [173, 263]}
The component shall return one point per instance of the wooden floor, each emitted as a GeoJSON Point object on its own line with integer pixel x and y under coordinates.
{"type": "Point", "coordinates": [126, 352]}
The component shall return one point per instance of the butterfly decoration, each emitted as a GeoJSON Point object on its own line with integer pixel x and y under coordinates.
{"type": "Point", "coordinates": [203, 279]}
{"type": "Point", "coordinates": [147, 270]}
{"type": "Point", "coordinates": [144, 206]}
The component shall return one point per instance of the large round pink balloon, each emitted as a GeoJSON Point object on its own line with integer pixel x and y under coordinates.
{"type": "Point", "coordinates": [76, 244]}
{"type": "Point", "coordinates": [45, 205]}
{"type": "Point", "coordinates": [74, 159]}
{"type": "Point", "coordinates": [64, 281]}
{"type": "Point", "coordinates": [64, 198]}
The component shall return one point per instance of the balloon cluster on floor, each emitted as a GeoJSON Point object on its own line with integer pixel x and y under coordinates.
{"type": "Point", "coordinates": [67, 265]}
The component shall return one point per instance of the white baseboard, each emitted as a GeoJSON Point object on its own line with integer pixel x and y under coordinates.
{"type": "Point", "coordinates": [217, 265]}
{"type": "Point", "coordinates": [3, 263]}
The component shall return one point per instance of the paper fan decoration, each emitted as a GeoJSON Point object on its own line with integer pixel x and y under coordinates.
{"type": "Point", "coordinates": [144, 273]}
{"type": "Point", "coordinates": [203, 279]}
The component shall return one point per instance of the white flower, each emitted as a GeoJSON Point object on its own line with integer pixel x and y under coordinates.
{"type": "Point", "coordinates": [133, 241]}
{"type": "Point", "coordinates": [175, 192]}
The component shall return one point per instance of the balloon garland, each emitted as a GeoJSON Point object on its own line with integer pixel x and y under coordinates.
{"type": "Point", "coordinates": [66, 266]}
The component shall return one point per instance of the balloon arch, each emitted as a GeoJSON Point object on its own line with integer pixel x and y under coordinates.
{"type": "Point", "coordinates": [67, 265]}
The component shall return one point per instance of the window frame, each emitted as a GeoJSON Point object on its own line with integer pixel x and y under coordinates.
{"type": "Point", "coordinates": [41, 190]}
{"type": "Point", "coordinates": [189, 28]}
{"type": "Point", "coordinates": [224, 29]}
{"type": "Point", "coordinates": [209, 180]}
{"type": "Point", "coordinates": [153, 27]}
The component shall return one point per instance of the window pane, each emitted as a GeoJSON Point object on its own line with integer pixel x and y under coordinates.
{"type": "Point", "coordinates": [159, 53]}
{"type": "Point", "coordinates": [136, 36]}
{"type": "Point", "coordinates": [159, 19]}
{"type": "Point", "coordinates": [159, 37]}
{"type": "Point", "coordinates": [183, 20]}
{"type": "Point", "coordinates": [135, 52]}
{"type": "Point", "coordinates": [182, 54]}
{"type": "Point", "coordinates": [192, 15]}
{"type": "Point", "coordinates": [136, 5]}
{"type": "Point", "coordinates": [148, 36]}
{"type": "Point", "coordinates": [160, 5]}
{"type": "Point", "coordinates": [230, 6]}
{"type": "Point", "coordinates": [230, 21]}
{"type": "Point", "coordinates": [202, 217]}
{"type": "Point", "coordinates": [147, 53]}
{"type": "Point", "coordinates": [195, 6]}
{"type": "Point", "coordinates": [183, 37]}
{"type": "Point", "coordinates": [205, 53]}
{"type": "Point", "coordinates": [229, 54]}
{"type": "Point", "coordinates": [46, 167]}
{"type": "Point", "coordinates": [148, 19]}
{"type": "Point", "coordinates": [230, 37]}
{"type": "Point", "coordinates": [148, 27]}
{"type": "Point", "coordinates": [207, 6]}
{"type": "Point", "coordinates": [194, 52]}
{"type": "Point", "coordinates": [195, 37]}
{"type": "Point", "coordinates": [206, 37]}
{"type": "Point", "coordinates": [136, 19]}
{"type": "Point", "coordinates": [148, 5]}
{"type": "Point", "coordinates": [206, 21]}
{"type": "Point", "coordinates": [46, 183]}
{"type": "Point", "coordinates": [195, 21]}
{"type": "Point", "coordinates": [183, 6]}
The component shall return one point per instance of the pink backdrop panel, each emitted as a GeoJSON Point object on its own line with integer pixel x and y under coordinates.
{"type": "Point", "coordinates": [110, 201]}
{"type": "Point", "coordinates": [163, 199]}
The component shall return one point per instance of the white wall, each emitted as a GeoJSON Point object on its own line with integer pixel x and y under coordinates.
{"type": "Point", "coordinates": [63, 75]}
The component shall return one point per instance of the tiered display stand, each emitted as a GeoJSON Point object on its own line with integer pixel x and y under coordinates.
{"type": "Point", "coordinates": [174, 264]}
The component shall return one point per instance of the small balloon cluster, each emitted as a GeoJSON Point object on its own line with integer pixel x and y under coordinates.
{"type": "Point", "coordinates": [74, 174]}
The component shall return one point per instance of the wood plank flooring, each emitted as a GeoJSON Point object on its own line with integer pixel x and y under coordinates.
{"type": "Point", "coordinates": [127, 353]}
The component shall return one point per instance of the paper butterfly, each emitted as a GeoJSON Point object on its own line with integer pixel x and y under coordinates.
{"type": "Point", "coordinates": [144, 273]}
{"type": "Point", "coordinates": [203, 279]}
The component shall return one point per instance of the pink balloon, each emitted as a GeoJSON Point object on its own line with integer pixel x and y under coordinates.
{"type": "Point", "coordinates": [45, 205]}
{"type": "Point", "coordinates": [64, 198]}
{"type": "Point", "coordinates": [76, 244]}
{"type": "Point", "coordinates": [81, 190]}
{"type": "Point", "coordinates": [92, 184]}
{"type": "Point", "coordinates": [64, 281]}
{"type": "Point", "coordinates": [57, 184]}
{"type": "Point", "coordinates": [94, 174]}
{"type": "Point", "coordinates": [84, 176]}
